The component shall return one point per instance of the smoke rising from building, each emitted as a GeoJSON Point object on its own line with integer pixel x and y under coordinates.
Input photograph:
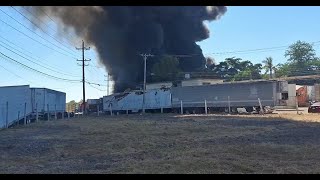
{"type": "Point", "coordinates": [120, 34]}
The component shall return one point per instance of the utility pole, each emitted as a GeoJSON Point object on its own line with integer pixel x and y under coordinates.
{"type": "Point", "coordinates": [83, 77]}
{"type": "Point", "coordinates": [108, 81]}
{"type": "Point", "coordinates": [145, 56]}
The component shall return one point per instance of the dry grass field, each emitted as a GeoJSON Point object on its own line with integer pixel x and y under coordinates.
{"type": "Point", "coordinates": [168, 143]}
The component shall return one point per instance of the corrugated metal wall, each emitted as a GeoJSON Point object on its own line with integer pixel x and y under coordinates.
{"type": "Point", "coordinates": [241, 94]}
{"type": "Point", "coordinates": [44, 97]}
{"type": "Point", "coordinates": [16, 96]}
{"type": "Point", "coordinates": [155, 99]}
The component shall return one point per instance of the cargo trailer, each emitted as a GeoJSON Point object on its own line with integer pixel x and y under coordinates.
{"type": "Point", "coordinates": [155, 100]}
{"type": "Point", "coordinates": [15, 102]}
{"type": "Point", "coordinates": [48, 100]}
{"type": "Point", "coordinates": [245, 94]}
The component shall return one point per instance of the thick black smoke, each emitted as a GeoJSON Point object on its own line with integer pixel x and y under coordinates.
{"type": "Point", "coordinates": [120, 34]}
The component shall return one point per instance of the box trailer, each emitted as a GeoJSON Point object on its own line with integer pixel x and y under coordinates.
{"type": "Point", "coordinates": [43, 98]}
{"type": "Point", "coordinates": [155, 99]}
{"type": "Point", "coordinates": [93, 105]}
{"type": "Point", "coordinates": [15, 102]}
{"type": "Point", "coordinates": [233, 94]}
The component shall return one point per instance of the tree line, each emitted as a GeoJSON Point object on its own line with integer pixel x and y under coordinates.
{"type": "Point", "coordinates": [301, 60]}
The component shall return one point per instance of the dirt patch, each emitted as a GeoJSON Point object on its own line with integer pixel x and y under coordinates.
{"type": "Point", "coordinates": [167, 143]}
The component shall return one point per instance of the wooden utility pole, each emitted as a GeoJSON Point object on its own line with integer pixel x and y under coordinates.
{"type": "Point", "coordinates": [145, 56]}
{"type": "Point", "coordinates": [108, 83]}
{"type": "Point", "coordinates": [83, 76]}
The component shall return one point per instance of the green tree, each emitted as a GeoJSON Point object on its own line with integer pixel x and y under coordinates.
{"type": "Point", "coordinates": [300, 53]}
{"type": "Point", "coordinates": [70, 106]}
{"type": "Point", "coordinates": [282, 70]}
{"type": "Point", "coordinates": [166, 69]}
{"type": "Point", "coordinates": [251, 71]}
{"type": "Point", "coordinates": [268, 66]}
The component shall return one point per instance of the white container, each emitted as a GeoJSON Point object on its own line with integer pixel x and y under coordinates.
{"type": "Point", "coordinates": [16, 96]}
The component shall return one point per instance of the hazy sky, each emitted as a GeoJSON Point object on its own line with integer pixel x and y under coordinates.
{"type": "Point", "coordinates": [240, 29]}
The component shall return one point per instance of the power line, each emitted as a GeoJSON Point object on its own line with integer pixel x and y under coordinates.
{"type": "Point", "coordinates": [72, 37]}
{"type": "Point", "coordinates": [242, 51]}
{"type": "Point", "coordinates": [33, 38]}
{"type": "Point", "coordinates": [40, 29]}
{"type": "Point", "coordinates": [40, 72]}
{"type": "Point", "coordinates": [34, 61]}
{"type": "Point", "coordinates": [48, 75]}
{"type": "Point", "coordinates": [43, 22]}
{"type": "Point", "coordinates": [45, 31]}
{"type": "Point", "coordinates": [96, 87]}
{"type": "Point", "coordinates": [14, 74]}
{"type": "Point", "coordinates": [96, 84]}
{"type": "Point", "coordinates": [37, 57]}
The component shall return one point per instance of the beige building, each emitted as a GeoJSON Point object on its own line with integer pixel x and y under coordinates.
{"type": "Point", "coordinates": [186, 82]}
{"type": "Point", "coordinates": [200, 82]}
{"type": "Point", "coordinates": [158, 85]}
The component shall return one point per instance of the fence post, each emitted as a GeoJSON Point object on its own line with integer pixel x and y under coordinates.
{"type": "Point", "coordinates": [229, 107]}
{"type": "Point", "coordinates": [261, 110]}
{"type": "Point", "coordinates": [48, 112]}
{"type": "Point", "coordinates": [127, 112]}
{"type": "Point", "coordinates": [55, 112]}
{"type": "Point", "coordinates": [98, 111]}
{"type": "Point", "coordinates": [111, 109]}
{"type": "Point", "coordinates": [7, 115]}
{"type": "Point", "coordinates": [161, 110]}
{"type": "Point", "coordinates": [68, 115]}
{"type": "Point", "coordinates": [181, 107]}
{"type": "Point", "coordinates": [205, 106]}
{"type": "Point", "coordinates": [297, 105]}
{"type": "Point", "coordinates": [18, 117]}
{"type": "Point", "coordinates": [25, 113]}
{"type": "Point", "coordinates": [37, 115]}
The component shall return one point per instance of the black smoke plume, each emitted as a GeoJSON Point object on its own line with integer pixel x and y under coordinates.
{"type": "Point", "coordinates": [120, 34]}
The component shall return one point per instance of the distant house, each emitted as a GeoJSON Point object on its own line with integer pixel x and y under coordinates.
{"type": "Point", "coordinates": [200, 82]}
{"type": "Point", "coordinates": [184, 82]}
{"type": "Point", "coordinates": [158, 85]}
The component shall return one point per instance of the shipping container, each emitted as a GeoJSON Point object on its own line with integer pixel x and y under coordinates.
{"type": "Point", "coordinates": [47, 98]}
{"type": "Point", "coordinates": [237, 94]}
{"type": "Point", "coordinates": [17, 97]}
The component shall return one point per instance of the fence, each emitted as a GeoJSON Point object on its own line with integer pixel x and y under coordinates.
{"type": "Point", "coordinates": [228, 105]}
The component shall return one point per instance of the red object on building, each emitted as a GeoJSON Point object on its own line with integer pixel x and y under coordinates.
{"type": "Point", "coordinates": [302, 94]}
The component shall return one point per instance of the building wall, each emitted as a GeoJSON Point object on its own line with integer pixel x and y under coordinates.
{"type": "Point", "coordinates": [317, 92]}
{"type": "Point", "coordinates": [291, 102]}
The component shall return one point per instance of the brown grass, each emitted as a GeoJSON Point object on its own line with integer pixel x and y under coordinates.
{"type": "Point", "coordinates": [166, 143]}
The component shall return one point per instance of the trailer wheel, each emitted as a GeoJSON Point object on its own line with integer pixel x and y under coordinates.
{"type": "Point", "coordinates": [258, 109]}
{"type": "Point", "coordinates": [249, 109]}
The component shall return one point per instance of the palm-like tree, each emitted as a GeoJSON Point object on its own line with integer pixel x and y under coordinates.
{"type": "Point", "coordinates": [268, 65]}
